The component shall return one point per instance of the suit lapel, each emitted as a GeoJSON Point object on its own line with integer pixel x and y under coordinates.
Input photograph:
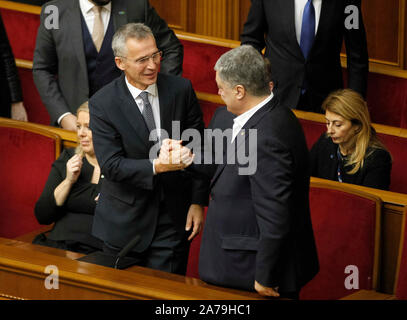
{"type": "Point", "coordinates": [287, 10]}
{"type": "Point", "coordinates": [75, 30]}
{"type": "Point", "coordinates": [166, 99]}
{"type": "Point", "coordinates": [327, 11]}
{"type": "Point", "coordinates": [253, 121]}
{"type": "Point", "coordinates": [132, 112]}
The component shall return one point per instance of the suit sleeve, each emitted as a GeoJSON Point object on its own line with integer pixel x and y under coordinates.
{"type": "Point", "coordinates": [45, 69]}
{"type": "Point", "coordinates": [114, 164]}
{"type": "Point", "coordinates": [271, 188]}
{"type": "Point", "coordinates": [356, 49]}
{"type": "Point", "coordinates": [173, 51]}
{"type": "Point", "coordinates": [255, 26]}
{"type": "Point", "coordinates": [9, 66]}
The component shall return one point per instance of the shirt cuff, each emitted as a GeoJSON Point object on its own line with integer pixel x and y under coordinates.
{"type": "Point", "coordinates": [61, 117]}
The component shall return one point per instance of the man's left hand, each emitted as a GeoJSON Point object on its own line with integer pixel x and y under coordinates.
{"type": "Point", "coordinates": [194, 219]}
{"type": "Point", "coordinates": [265, 291]}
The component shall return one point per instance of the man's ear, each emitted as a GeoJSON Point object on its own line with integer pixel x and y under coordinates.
{"type": "Point", "coordinates": [240, 92]}
{"type": "Point", "coordinates": [119, 63]}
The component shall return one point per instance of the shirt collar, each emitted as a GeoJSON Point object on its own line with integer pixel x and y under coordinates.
{"type": "Point", "coordinates": [241, 120]}
{"type": "Point", "coordinates": [87, 6]}
{"type": "Point", "coordinates": [135, 92]}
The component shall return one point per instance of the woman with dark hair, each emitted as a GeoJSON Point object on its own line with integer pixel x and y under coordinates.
{"type": "Point", "coordinates": [350, 151]}
{"type": "Point", "coordinates": [70, 195]}
{"type": "Point", "coordinates": [11, 98]}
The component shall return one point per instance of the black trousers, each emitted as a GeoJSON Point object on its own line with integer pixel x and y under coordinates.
{"type": "Point", "coordinates": [168, 250]}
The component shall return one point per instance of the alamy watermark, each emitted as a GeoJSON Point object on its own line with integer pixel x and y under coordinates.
{"type": "Point", "coordinates": [52, 19]}
{"type": "Point", "coordinates": [215, 147]}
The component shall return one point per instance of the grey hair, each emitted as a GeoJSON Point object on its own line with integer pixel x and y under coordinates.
{"type": "Point", "coordinates": [128, 31]}
{"type": "Point", "coordinates": [244, 66]}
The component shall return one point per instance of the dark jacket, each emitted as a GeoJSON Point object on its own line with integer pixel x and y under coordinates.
{"type": "Point", "coordinates": [9, 81]}
{"type": "Point", "coordinates": [73, 220]}
{"type": "Point", "coordinates": [271, 24]}
{"type": "Point", "coordinates": [258, 226]}
{"type": "Point", "coordinates": [375, 172]}
{"type": "Point", "coordinates": [132, 196]}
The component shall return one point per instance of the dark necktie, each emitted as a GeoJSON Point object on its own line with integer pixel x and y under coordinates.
{"type": "Point", "coordinates": [308, 28]}
{"type": "Point", "coordinates": [147, 111]}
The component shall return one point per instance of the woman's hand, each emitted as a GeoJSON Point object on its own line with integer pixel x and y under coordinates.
{"type": "Point", "coordinates": [73, 168]}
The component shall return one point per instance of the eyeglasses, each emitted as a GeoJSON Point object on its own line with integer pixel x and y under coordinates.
{"type": "Point", "coordinates": [142, 61]}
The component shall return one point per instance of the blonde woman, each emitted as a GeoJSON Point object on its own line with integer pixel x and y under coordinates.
{"type": "Point", "coordinates": [350, 151]}
{"type": "Point", "coordinates": [70, 194]}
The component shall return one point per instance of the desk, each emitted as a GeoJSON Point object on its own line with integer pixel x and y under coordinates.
{"type": "Point", "coordinates": [22, 276]}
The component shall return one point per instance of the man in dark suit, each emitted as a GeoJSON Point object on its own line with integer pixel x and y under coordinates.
{"type": "Point", "coordinates": [303, 41]}
{"type": "Point", "coordinates": [140, 194]}
{"type": "Point", "coordinates": [258, 233]}
{"type": "Point", "coordinates": [73, 57]}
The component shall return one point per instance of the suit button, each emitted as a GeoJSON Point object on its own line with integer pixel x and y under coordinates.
{"type": "Point", "coordinates": [102, 176]}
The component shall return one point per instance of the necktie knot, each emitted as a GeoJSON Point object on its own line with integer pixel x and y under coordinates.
{"type": "Point", "coordinates": [144, 97]}
{"type": "Point", "coordinates": [97, 10]}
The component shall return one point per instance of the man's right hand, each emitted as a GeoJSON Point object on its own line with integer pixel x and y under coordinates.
{"type": "Point", "coordinates": [173, 157]}
{"type": "Point", "coordinates": [69, 122]}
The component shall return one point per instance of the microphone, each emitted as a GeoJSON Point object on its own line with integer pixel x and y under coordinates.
{"type": "Point", "coordinates": [127, 249]}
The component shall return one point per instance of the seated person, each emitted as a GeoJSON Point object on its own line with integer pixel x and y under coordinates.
{"type": "Point", "coordinates": [70, 194]}
{"type": "Point", "coordinates": [350, 151]}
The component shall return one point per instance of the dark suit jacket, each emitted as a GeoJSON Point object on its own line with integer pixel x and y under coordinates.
{"type": "Point", "coordinates": [9, 80]}
{"type": "Point", "coordinates": [61, 52]}
{"type": "Point", "coordinates": [375, 173]}
{"type": "Point", "coordinates": [258, 226]}
{"type": "Point", "coordinates": [131, 195]}
{"type": "Point", "coordinates": [322, 70]}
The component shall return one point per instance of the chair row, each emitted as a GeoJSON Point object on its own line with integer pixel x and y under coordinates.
{"type": "Point", "coordinates": [349, 233]}
{"type": "Point", "coordinates": [348, 236]}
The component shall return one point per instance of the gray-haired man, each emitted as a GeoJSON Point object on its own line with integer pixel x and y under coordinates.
{"type": "Point", "coordinates": [140, 197]}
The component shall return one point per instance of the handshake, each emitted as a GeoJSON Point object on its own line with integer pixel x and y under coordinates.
{"type": "Point", "coordinates": [173, 156]}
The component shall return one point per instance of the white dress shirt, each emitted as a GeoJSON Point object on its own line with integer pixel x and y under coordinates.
{"type": "Point", "coordinates": [86, 9]}
{"type": "Point", "coordinates": [152, 97]}
{"type": "Point", "coordinates": [89, 16]}
{"type": "Point", "coordinates": [299, 11]}
{"type": "Point", "coordinates": [241, 120]}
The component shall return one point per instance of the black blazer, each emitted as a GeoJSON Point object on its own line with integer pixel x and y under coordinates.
{"type": "Point", "coordinates": [375, 173]}
{"type": "Point", "coordinates": [131, 196]}
{"type": "Point", "coordinates": [9, 80]}
{"type": "Point", "coordinates": [322, 70]}
{"type": "Point", "coordinates": [73, 220]}
{"type": "Point", "coordinates": [258, 226]}
{"type": "Point", "coordinates": [59, 65]}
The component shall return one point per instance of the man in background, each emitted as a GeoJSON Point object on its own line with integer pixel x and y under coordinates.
{"type": "Point", "coordinates": [303, 41]}
{"type": "Point", "coordinates": [74, 61]}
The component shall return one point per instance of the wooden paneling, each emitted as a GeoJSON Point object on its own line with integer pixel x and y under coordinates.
{"type": "Point", "coordinates": [385, 25]}
{"type": "Point", "coordinates": [218, 18]}
{"type": "Point", "coordinates": [174, 12]}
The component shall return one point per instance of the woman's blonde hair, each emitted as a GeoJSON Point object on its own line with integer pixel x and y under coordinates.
{"type": "Point", "coordinates": [85, 108]}
{"type": "Point", "coordinates": [351, 106]}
